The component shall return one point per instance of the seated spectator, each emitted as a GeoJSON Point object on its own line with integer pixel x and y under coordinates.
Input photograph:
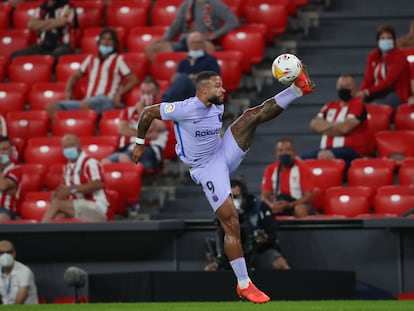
{"type": "Point", "coordinates": [406, 40]}
{"type": "Point", "coordinates": [387, 72]}
{"type": "Point", "coordinates": [105, 73]}
{"type": "Point", "coordinates": [286, 185]}
{"type": "Point", "coordinates": [53, 20]}
{"type": "Point", "coordinates": [183, 80]}
{"type": "Point", "coordinates": [17, 282]}
{"type": "Point", "coordinates": [81, 194]}
{"type": "Point", "coordinates": [343, 125]}
{"type": "Point", "coordinates": [127, 127]}
{"type": "Point", "coordinates": [10, 180]}
{"type": "Point", "coordinates": [212, 18]}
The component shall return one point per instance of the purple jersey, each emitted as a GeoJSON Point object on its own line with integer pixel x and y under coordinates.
{"type": "Point", "coordinates": [197, 129]}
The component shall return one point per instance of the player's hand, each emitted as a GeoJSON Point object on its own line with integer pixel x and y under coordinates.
{"type": "Point", "coordinates": [137, 152]}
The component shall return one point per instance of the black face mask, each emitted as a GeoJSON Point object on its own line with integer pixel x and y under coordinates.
{"type": "Point", "coordinates": [285, 159]}
{"type": "Point", "coordinates": [344, 94]}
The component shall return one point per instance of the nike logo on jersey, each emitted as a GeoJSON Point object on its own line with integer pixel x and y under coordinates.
{"type": "Point", "coordinates": [196, 121]}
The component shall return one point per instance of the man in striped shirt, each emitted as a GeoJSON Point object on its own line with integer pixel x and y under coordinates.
{"type": "Point", "coordinates": [106, 73]}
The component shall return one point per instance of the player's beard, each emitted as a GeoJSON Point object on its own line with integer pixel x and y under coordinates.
{"type": "Point", "coordinates": [215, 100]}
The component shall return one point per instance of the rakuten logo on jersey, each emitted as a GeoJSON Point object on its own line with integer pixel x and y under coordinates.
{"type": "Point", "coordinates": [207, 132]}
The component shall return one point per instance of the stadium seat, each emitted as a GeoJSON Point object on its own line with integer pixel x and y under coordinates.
{"type": "Point", "coordinates": [23, 12]}
{"type": "Point", "coordinates": [27, 124]}
{"type": "Point", "coordinates": [326, 173]}
{"type": "Point", "coordinates": [12, 40]}
{"type": "Point", "coordinates": [19, 221]}
{"type": "Point", "coordinates": [406, 172]}
{"type": "Point", "coordinates": [115, 203]}
{"type": "Point", "coordinates": [404, 117]}
{"type": "Point", "coordinates": [88, 43]}
{"type": "Point", "coordinates": [349, 201]}
{"type": "Point", "coordinates": [67, 65]}
{"type": "Point", "coordinates": [235, 6]}
{"type": "Point", "coordinates": [32, 181]}
{"type": "Point", "coordinates": [164, 65]}
{"type": "Point", "coordinates": [44, 150]}
{"type": "Point", "coordinates": [394, 199]}
{"type": "Point", "coordinates": [125, 178]}
{"type": "Point", "coordinates": [138, 63]}
{"type": "Point", "coordinates": [89, 13]}
{"type": "Point", "coordinates": [379, 119]}
{"type": "Point", "coordinates": [126, 14]}
{"type": "Point", "coordinates": [99, 147]}
{"type": "Point", "coordinates": [393, 144]}
{"type": "Point", "coordinates": [35, 205]}
{"type": "Point", "coordinates": [273, 14]}
{"type": "Point", "coordinates": [248, 39]}
{"type": "Point", "coordinates": [230, 65]}
{"type": "Point", "coordinates": [376, 215]}
{"type": "Point", "coordinates": [108, 123]}
{"type": "Point", "coordinates": [163, 12]}
{"type": "Point", "coordinates": [43, 93]}
{"type": "Point", "coordinates": [54, 176]}
{"type": "Point", "coordinates": [12, 97]}
{"type": "Point", "coordinates": [140, 37]}
{"type": "Point", "coordinates": [79, 122]}
{"type": "Point", "coordinates": [169, 151]}
{"type": "Point", "coordinates": [371, 172]}
{"type": "Point", "coordinates": [405, 296]}
{"type": "Point", "coordinates": [5, 15]}
{"type": "Point", "coordinates": [31, 69]}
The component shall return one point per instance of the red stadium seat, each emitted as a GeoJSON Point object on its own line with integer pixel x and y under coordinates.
{"type": "Point", "coordinates": [404, 117]}
{"type": "Point", "coordinates": [54, 176]}
{"type": "Point", "coordinates": [371, 172]}
{"type": "Point", "coordinates": [125, 178]}
{"type": "Point", "coordinates": [35, 205]}
{"type": "Point", "coordinates": [12, 40]}
{"type": "Point", "coordinates": [138, 63]}
{"type": "Point", "coordinates": [89, 39]}
{"type": "Point", "coordinates": [89, 13]}
{"type": "Point", "coordinates": [163, 12]}
{"type": "Point", "coordinates": [271, 13]}
{"type": "Point", "coordinates": [406, 172]}
{"type": "Point", "coordinates": [405, 296]}
{"type": "Point", "coordinates": [394, 199]}
{"type": "Point", "coordinates": [379, 119]}
{"type": "Point", "coordinates": [326, 173]}
{"type": "Point", "coordinates": [45, 92]}
{"type": "Point", "coordinates": [248, 39]}
{"type": "Point", "coordinates": [393, 144]}
{"type": "Point", "coordinates": [140, 37]}
{"type": "Point", "coordinates": [126, 14]}
{"type": "Point", "coordinates": [230, 65]}
{"type": "Point", "coordinates": [376, 215]}
{"type": "Point", "coordinates": [169, 151]}
{"type": "Point", "coordinates": [164, 65]}
{"type": "Point", "coordinates": [349, 201]}
{"type": "Point", "coordinates": [68, 65]}
{"type": "Point", "coordinates": [32, 180]}
{"type": "Point", "coordinates": [44, 150]}
{"type": "Point", "coordinates": [99, 147]}
{"type": "Point", "coordinates": [108, 123]}
{"type": "Point", "coordinates": [12, 97]}
{"type": "Point", "coordinates": [31, 69]}
{"type": "Point", "coordinates": [79, 122]}
{"type": "Point", "coordinates": [27, 124]}
{"type": "Point", "coordinates": [5, 16]}
{"type": "Point", "coordinates": [23, 12]}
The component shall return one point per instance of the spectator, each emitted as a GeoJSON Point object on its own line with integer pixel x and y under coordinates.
{"type": "Point", "coordinates": [10, 180]}
{"type": "Point", "coordinates": [17, 282]}
{"type": "Point", "coordinates": [387, 72]}
{"type": "Point", "coordinates": [81, 194]}
{"type": "Point", "coordinates": [105, 73]}
{"type": "Point", "coordinates": [407, 40]}
{"type": "Point", "coordinates": [343, 125]}
{"type": "Point", "coordinates": [54, 21]}
{"type": "Point", "coordinates": [212, 18]}
{"type": "Point", "coordinates": [183, 80]}
{"type": "Point", "coordinates": [286, 184]}
{"type": "Point", "coordinates": [127, 127]}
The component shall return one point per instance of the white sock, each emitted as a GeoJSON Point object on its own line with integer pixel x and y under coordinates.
{"type": "Point", "coordinates": [240, 270]}
{"type": "Point", "coordinates": [285, 97]}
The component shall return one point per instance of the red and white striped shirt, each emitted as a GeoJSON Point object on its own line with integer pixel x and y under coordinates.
{"type": "Point", "coordinates": [105, 75]}
{"type": "Point", "coordinates": [8, 200]}
{"type": "Point", "coordinates": [85, 170]}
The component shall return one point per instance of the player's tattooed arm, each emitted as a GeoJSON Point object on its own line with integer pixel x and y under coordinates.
{"type": "Point", "coordinates": [147, 115]}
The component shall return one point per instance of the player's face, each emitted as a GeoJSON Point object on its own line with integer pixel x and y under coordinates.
{"type": "Point", "coordinates": [216, 91]}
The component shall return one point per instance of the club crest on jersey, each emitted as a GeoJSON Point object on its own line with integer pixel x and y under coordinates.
{"type": "Point", "coordinates": [169, 108]}
{"type": "Point", "coordinates": [220, 117]}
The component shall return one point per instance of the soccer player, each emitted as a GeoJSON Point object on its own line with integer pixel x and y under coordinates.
{"type": "Point", "coordinates": [212, 158]}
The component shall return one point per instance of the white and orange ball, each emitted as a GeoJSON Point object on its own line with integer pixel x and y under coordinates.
{"type": "Point", "coordinates": [286, 68]}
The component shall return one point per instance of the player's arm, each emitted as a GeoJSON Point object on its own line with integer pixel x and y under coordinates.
{"type": "Point", "coordinates": [147, 116]}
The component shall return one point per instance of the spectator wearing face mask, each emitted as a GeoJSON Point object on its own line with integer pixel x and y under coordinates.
{"type": "Point", "coordinates": [387, 72]}
{"type": "Point", "coordinates": [343, 125]}
{"type": "Point", "coordinates": [17, 282]}
{"type": "Point", "coordinates": [286, 185]}
{"type": "Point", "coordinates": [198, 60]}
{"type": "Point", "coordinates": [157, 134]}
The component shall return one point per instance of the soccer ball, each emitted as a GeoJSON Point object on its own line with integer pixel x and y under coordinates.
{"type": "Point", "coordinates": [286, 68]}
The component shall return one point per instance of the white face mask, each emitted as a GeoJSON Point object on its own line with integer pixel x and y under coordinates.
{"type": "Point", "coordinates": [196, 53]}
{"type": "Point", "coordinates": [6, 260]}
